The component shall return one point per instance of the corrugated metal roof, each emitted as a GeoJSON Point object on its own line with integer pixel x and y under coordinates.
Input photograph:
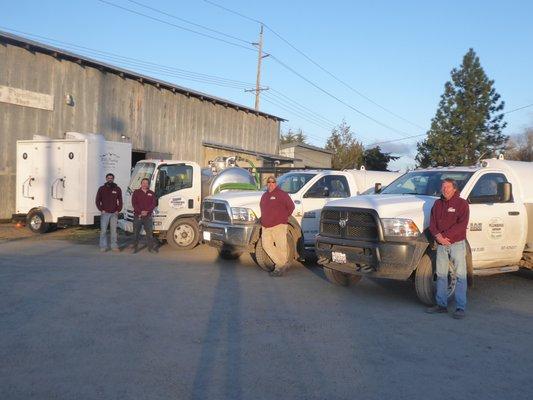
{"type": "Point", "coordinates": [305, 146]}
{"type": "Point", "coordinates": [259, 154]}
{"type": "Point", "coordinates": [32, 45]}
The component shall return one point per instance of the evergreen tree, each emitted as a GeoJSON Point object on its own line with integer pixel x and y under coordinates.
{"type": "Point", "coordinates": [347, 151]}
{"type": "Point", "coordinates": [469, 121]}
{"type": "Point", "coordinates": [293, 137]}
{"type": "Point", "coordinates": [376, 160]}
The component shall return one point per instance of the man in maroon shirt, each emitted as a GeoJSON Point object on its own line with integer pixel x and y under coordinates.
{"type": "Point", "coordinates": [449, 220]}
{"type": "Point", "coordinates": [109, 202]}
{"type": "Point", "coordinates": [144, 202]}
{"type": "Point", "coordinates": [276, 208]}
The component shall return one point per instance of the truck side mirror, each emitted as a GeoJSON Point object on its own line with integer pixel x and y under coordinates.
{"type": "Point", "coordinates": [505, 192]}
{"type": "Point", "coordinates": [377, 187]}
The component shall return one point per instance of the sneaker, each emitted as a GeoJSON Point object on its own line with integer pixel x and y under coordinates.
{"type": "Point", "coordinates": [437, 310]}
{"type": "Point", "coordinates": [459, 314]}
{"type": "Point", "coordinates": [276, 273]}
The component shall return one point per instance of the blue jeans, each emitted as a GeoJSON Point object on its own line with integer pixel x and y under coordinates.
{"type": "Point", "coordinates": [110, 219]}
{"type": "Point", "coordinates": [456, 253]}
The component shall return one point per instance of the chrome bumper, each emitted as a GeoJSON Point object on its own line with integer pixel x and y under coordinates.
{"type": "Point", "coordinates": [219, 234]}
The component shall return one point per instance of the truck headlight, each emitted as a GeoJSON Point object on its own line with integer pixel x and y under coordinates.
{"type": "Point", "coordinates": [242, 214]}
{"type": "Point", "coordinates": [401, 227]}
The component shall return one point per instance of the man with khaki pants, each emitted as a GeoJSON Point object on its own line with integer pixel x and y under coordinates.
{"type": "Point", "coordinates": [276, 208]}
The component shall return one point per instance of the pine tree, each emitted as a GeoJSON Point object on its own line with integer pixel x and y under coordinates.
{"type": "Point", "coordinates": [376, 160]}
{"type": "Point", "coordinates": [469, 121]}
{"type": "Point", "coordinates": [347, 151]}
{"type": "Point", "coordinates": [293, 137]}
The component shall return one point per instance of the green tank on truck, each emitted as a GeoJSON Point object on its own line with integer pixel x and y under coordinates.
{"type": "Point", "coordinates": [387, 236]}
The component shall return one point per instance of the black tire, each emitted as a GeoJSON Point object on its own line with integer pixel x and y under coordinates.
{"type": "Point", "coordinates": [183, 234]}
{"type": "Point", "coordinates": [264, 261]}
{"type": "Point", "coordinates": [35, 222]}
{"type": "Point", "coordinates": [229, 254]}
{"type": "Point", "coordinates": [426, 279]}
{"type": "Point", "coordinates": [340, 278]}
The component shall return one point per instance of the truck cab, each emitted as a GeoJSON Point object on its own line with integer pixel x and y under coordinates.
{"type": "Point", "coordinates": [231, 221]}
{"type": "Point", "coordinates": [177, 185]}
{"type": "Point", "coordinates": [387, 236]}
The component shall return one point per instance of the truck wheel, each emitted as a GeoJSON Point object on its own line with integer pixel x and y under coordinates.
{"type": "Point", "coordinates": [229, 254]}
{"type": "Point", "coordinates": [35, 222]}
{"type": "Point", "coordinates": [426, 280]}
{"type": "Point", "coordinates": [264, 261]}
{"type": "Point", "coordinates": [340, 278]}
{"type": "Point", "coordinates": [183, 234]}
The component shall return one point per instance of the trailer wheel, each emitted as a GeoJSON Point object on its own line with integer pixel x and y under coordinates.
{"type": "Point", "coordinates": [426, 280]}
{"type": "Point", "coordinates": [340, 278]}
{"type": "Point", "coordinates": [35, 222]}
{"type": "Point", "coordinates": [183, 234]}
{"type": "Point", "coordinates": [264, 261]}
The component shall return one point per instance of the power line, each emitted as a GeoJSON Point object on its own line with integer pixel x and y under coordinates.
{"type": "Point", "coordinates": [308, 58]}
{"type": "Point", "coordinates": [188, 22]}
{"type": "Point", "coordinates": [519, 108]}
{"type": "Point", "coordinates": [175, 25]}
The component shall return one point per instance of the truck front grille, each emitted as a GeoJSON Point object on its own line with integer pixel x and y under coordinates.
{"type": "Point", "coordinates": [349, 224]}
{"type": "Point", "coordinates": [215, 211]}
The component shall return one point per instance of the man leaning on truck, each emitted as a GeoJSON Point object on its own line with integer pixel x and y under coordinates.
{"type": "Point", "coordinates": [109, 202]}
{"type": "Point", "coordinates": [144, 201]}
{"type": "Point", "coordinates": [276, 208]}
{"type": "Point", "coordinates": [448, 223]}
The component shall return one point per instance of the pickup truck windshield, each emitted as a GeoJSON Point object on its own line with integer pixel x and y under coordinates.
{"type": "Point", "coordinates": [293, 182]}
{"type": "Point", "coordinates": [425, 182]}
{"type": "Point", "coordinates": [142, 170]}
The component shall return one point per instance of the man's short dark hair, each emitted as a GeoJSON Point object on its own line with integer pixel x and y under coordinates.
{"type": "Point", "coordinates": [145, 179]}
{"type": "Point", "coordinates": [452, 181]}
{"type": "Point", "coordinates": [110, 175]}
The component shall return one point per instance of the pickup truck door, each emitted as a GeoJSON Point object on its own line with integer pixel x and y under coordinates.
{"type": "Point", "coordinates": [326, 188]}
{"type": "Point", "coordinates": [495, 229]}
{"type": "Point", "coordinates": [177, 187]}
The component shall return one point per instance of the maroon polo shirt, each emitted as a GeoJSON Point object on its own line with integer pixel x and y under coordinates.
{"type": "Point", "coordinates": [143, 201]}
{"type": "Point", "coordinates": [450, 218]}
{"type": "Point", "coordinates": [276, 208]}
{"type": "Point", "coordinates": [109, 198]}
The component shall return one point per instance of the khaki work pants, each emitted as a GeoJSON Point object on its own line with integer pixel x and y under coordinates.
{"type": "Point", "coordinates": [274, 241]}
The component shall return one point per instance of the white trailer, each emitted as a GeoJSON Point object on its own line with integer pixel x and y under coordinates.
{"type": "Point", "coordinates": [57, 179]}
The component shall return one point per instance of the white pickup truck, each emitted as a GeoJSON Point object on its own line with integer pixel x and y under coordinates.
{"type": "Point", "coordinates": [386, 236]}
{"type": "Point", "coordinates": [230, 221]}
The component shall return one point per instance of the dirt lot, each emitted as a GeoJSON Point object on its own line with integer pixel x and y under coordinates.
{"type": "Point", "coordinates": [76, 323]}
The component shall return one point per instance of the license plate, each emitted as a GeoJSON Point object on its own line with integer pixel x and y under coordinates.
{"type": "Point", "coordinates": [339, 258]}
{"type": "Point", "coordinates": [207, 235]}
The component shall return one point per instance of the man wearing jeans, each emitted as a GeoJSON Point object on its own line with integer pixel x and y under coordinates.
{"type": "Point", "coordinates": [449, 220]}
{"type": "Point", "coordinates": [276, 208]}
{"type": "Point", "coordinates": [144, 202]}
{"type": "Point", "coordinates": [109, 202]}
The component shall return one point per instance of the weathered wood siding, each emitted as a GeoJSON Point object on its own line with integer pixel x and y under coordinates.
{"type": "Point", "coordinates": [155, 119]}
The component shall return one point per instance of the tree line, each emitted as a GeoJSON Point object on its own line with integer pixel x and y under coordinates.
{"type": "Point", "coordinates": [468, 126]}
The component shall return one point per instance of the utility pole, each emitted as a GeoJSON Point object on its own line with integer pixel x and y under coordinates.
{"type": "Point", "coordinates": [259, 58]}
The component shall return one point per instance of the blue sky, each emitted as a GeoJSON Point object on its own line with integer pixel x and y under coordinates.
{"type": "Point", "coordinates": [398, 54]}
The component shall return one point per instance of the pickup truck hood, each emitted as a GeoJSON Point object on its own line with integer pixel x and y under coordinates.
{"type": "Point", "coordinates": [414, 207]}
{"type": "Point", "coordinates": [246, 198]}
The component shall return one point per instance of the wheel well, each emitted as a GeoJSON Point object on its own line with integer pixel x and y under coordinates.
{"type": "Point", "coordinates": [185, 216]}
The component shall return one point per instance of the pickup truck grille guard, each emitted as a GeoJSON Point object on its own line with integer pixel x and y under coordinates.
{"type": "Point", "coordinates": [216, 211]}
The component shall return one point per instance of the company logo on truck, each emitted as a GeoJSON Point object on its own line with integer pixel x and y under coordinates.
{"type": "Point", "coordinates": [109, 160]}
{"type": "Point", "coordinates": [496, 227]}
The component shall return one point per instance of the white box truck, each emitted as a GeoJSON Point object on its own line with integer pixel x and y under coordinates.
{"type": "Point", "coordinates": [387, 236]}
{"type": "Point", "coordinates": [57, 179]}
{"type": "Point", "coordinates": [230, 221]}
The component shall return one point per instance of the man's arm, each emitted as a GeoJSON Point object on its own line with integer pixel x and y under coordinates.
{"type": "Point", "coordinates": [433, 221]}
{"type": "Point", "coordinates": [135, 201]}
{"type": "Point", "coordinates": [289, 204]}
{"type": "Point", "coordinates": [98, 200]}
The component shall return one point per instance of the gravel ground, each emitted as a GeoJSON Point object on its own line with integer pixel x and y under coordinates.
{"type": "Point", "coordinates": [76, 323]}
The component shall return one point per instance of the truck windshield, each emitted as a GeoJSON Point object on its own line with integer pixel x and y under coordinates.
{"type": "Point", "coordinates": [425, 182]}
{"type": "Point", "coordinates": [293, 182]}
{"type": "Point", "coordinates": [142, 170]}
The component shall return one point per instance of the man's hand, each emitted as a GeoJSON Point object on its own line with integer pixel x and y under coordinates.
{"type": "Point", "coordinates": [116, 213]}
{"type": "Point", "coordinates": [442, 240]}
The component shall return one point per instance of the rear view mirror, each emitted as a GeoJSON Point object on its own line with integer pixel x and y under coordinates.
{"type": "Point", "coordinates": [505, 192]}
{"type": "Point", "coordinates": [377, 187]}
